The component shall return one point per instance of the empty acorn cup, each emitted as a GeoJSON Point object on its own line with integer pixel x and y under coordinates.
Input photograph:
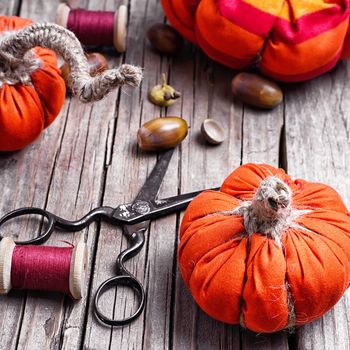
{"type": "Point", "coordinates": [162, 133]}
{"type": "Point", "coordinates": [212, 131]}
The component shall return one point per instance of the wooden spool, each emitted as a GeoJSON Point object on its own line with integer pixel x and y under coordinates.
{"type": "Point", "coordinates": [119, 26]}
{"type": "Point", "coordinates": [77, 272]}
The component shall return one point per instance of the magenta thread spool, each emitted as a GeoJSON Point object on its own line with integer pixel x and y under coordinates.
{"type": "Point", "coordinates": [45, 268]}
{"type": "Point", "coordinates": [98, 28]}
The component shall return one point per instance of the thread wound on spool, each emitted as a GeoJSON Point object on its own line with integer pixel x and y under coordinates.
{"type": "Point", "coordinates": [41, 268]}
{"type": "Point", "coordinates": [58, 269]}
{"type": "Point", "coordinates": [99, 28]}
{"type": "Point", "coordinates": [92, 27]}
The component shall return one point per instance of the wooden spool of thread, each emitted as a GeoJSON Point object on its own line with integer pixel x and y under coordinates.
{"type": "Point", "coordinates": [32, 267]}
{"type": "Point", "coordinates": [98, 28]}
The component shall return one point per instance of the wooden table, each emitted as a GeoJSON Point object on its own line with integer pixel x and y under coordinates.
{"type": "Point", "coordinates": [89, 157]}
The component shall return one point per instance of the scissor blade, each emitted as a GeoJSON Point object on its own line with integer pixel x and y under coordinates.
{"type": "Point", "coordinates": [161, 207]}
{"type": "Point", "coordinates": [147, 210]}
{"type": "Point", "coordinates": [151, 187]}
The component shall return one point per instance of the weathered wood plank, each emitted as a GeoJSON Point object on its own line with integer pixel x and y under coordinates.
{"type": "Point", "coordinates": [261, 143]}
{"type": "Point", "coordinates": [204, 166]}
{"type": "Point", "coordinates": [191, 325]}
{"type": "Point", "coordinates": [67, 168]}
{"type": "Point", "coordinates": [127, 172]}
{"type": "Point", "coordinates": [72, 189]}
{"type": "Point", "coordinates": [278, 340]}
{"type": "Point", "coordinates": [261, 135]}
{"type": "Point", "coordinates": [9, 7]}
{"type": "Point", "coordinates": [160, 249]}
{"type": "Point", "coordinates": [40, 10]}
{"type": "Point", "coordinates": [317, 135]}
{"type": "Point", "coordinates": [25, 178]}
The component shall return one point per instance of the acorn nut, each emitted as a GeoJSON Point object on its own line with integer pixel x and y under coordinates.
{"type": "Point", "coordinates": [97, 64]}
{"type": "Point", "coordinates": [162, 133]}
{"type": "Point", "coordinates": [212, 131]}
{"type": "Point", "coordinates": [163, 95]}
{"type": "Point", "coordinates": [256, 91]}
{"type": "Point", "coordinates": [165, 38]}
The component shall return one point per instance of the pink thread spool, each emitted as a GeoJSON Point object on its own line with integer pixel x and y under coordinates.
{"type": "Point", "coordinates": [60, 269]}
{"type": "Point", "coordinates": [100, 28]}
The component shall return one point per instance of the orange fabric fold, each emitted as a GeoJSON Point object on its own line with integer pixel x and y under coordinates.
{"type": "Point", "coordinates": [292, 40]}
{"type": "Point", "coordinates": [265, 297]}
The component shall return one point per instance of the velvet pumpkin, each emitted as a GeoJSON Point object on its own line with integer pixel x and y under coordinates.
{"type": "Point", "coordinates": [266, 251]}
{"type": "Point", "coordinates": [288, 40]}
{"type": "Point", "coordinates": [26, 109]}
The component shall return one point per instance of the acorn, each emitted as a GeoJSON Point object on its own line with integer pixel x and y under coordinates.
{"type": "Point", "coordinates": [256, 91]}
{"type": "Point", "coordinates": [165, 38]}
{"type": "Point", "coordinates": [162, 133]}
{"type": "Point", "coordinates": [163, 95]}
{"type": "Point", "coordinates": [97, 64]}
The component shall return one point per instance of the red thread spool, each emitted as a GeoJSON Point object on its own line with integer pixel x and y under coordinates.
{"type": "Point", "coordinates": [32, 267]}
{"type": "Point", "coordinates": [100, 28]}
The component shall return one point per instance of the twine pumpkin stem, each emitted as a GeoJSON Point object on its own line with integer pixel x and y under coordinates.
{"type": "Point", "coordinates": [270, 211]}
{"type": "Point", "coordinates": [270, 208]}
{"type": "Point", "coordinates": [15, 45]}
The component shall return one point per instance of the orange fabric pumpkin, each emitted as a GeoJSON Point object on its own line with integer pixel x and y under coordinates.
{"type": "Point", "coordinates": [25, 110]}
{"type": "Point", "coordinates": [266, 251]}
{"type": "Point", "coordinates": [288, 40]}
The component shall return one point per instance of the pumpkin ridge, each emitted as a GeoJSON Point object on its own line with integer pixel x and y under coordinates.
{"type": "Point", "coordinates": [207, 224]}
{"type": "Point", "coordinates": [325, 241]}
{"type": "Point", "coordinates": [253, 290]}
{"type": "Point", "coordinates": [290, 298]}
{"type": "Point", "coordinates": [309, 244]}
{"type": "Point", "coordinates": [245, 279]}
{"type": "Point", "coordinates": [290, 303]}
{"type": "Point", "coordinates": [187, 241]}
{"type": "Point", "coordinates": [324, 238]}
{"type": "Point", "coordinates": [205, 256]}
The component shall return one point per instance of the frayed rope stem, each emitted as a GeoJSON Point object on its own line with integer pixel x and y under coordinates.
{"type": "Point", "coordinates": [270, 212]}
{"type": "Point", "coordinates": [52, 36]}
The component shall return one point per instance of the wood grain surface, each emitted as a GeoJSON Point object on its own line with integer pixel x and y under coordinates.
{"type": "Point", "coordinates": [89, 157]}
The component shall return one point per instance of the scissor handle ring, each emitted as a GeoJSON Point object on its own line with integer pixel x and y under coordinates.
{"type": "Point", "coordinates": [28, 211]}
{"type": "Point", "coordinates": [127, 281]}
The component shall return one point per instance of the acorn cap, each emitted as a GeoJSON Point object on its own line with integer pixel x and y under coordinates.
{"type": "Point", "coordinates": [212, 131]}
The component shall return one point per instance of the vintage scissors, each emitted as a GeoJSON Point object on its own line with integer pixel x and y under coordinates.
{"type": "Point", "coordinates": [133, 217]}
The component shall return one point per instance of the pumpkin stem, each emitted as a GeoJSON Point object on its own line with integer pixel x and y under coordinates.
{"type": "Point", "coordinates": [52, 36]}
{"type": "Point", "coordinates": [269, 209]}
